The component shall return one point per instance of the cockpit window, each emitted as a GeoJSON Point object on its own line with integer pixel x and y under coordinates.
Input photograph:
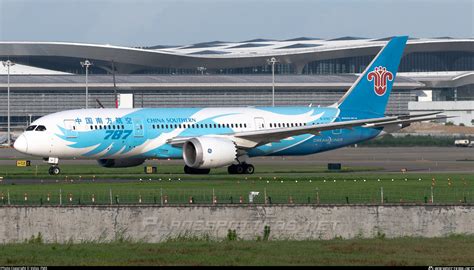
{"type": "Point", "coordinates": [30, 128]}
{"type": "Point", "coordinates": [40, 128]}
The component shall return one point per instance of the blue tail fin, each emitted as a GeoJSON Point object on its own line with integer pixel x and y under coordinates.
{"type": "Point", "coordinates": [368, 96]}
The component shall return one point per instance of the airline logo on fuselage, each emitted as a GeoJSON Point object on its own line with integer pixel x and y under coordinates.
{"type": "Point", "coordinates": [380, 75]}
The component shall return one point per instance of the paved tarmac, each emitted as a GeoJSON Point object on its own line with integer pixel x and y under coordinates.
{"type": "Point", "coordinates": [390, 159]}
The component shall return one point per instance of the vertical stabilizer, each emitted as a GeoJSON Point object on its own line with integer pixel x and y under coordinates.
{"type": "Point", "coordinates": [369, 95]}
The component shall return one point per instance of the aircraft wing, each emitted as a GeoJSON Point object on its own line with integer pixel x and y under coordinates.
{"type": "Point", "coordinates": [260, 137]}
{"type": "Point", "coordinates": [250, 139]}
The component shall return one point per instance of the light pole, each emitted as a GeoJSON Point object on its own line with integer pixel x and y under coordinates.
{"type": "Point", "coordinates": [86, 64]}
{"type": "Point", "coordinates": [8, 64]}
{"type": "Point", "coordinates": [272, 61]}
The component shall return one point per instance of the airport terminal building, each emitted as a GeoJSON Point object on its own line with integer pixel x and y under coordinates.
{"type": "Point", "coordinates": [434, 74]}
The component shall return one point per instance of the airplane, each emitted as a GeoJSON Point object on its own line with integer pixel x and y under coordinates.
{"type": "Point", "coordinates": [207, 138]}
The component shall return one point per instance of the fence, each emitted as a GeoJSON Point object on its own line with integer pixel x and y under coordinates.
{"type": "Point", "coordinates": [380, 195]}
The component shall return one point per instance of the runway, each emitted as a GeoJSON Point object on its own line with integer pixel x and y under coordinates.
{"type": "Point", "coordinates": [389, 159]}
{"type": "Point", "coordinates": [393, 159]}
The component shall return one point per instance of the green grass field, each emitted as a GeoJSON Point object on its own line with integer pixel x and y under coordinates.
{"type": "Point", "coordinates": [448, 251]}
{"type": "Point", "coordinates": [78, 184]}
{"type": "Point", "coordinates": [298, 184]}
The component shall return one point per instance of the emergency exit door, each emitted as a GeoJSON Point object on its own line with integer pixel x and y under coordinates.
{"type": "Point", "coordinates": [259, 123]}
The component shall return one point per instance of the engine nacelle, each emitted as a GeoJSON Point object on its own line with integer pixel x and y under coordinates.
{"type": "Point", "coordinates": [209, 152]}
{"type": "Point", "coordinates": [120, 163]}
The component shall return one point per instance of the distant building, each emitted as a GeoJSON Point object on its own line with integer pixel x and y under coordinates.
{"type": "Point", "coordinates": [435, 73]}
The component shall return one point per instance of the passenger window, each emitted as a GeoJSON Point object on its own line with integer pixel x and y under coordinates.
{"type": "Point", "coordinates": [30, 128]}
{"type": "Point", "coordinates": [40, 128]}
{"type": "Point", "coordinates": [91, 127]}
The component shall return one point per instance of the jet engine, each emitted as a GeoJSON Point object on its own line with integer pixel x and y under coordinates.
{"type": "Point", "coordinates": [209, 152]}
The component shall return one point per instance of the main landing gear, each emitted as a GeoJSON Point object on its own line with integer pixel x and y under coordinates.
{"type": "Point", "coordinates": [242, 168]}
{"type": "Point", "coordinates": [189, 170]}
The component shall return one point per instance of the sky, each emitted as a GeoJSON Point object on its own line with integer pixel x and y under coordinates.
{"type": "Point", "coordinates": [181, 22]}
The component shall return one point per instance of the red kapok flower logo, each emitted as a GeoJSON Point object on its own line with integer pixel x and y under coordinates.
{"type": "Point", "coordinates": [380, 76]}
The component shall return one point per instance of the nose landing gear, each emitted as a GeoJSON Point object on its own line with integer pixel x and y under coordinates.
{"type": "Point", "coordinates": [54, 170]}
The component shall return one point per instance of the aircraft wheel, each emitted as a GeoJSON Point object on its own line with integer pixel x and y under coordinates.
{"type": "Point", "coordinates": [232, 169]}
{"type": "Point", "coordinates": [189, 170]}
{"type": "Point", "coordinates": [54, 170]}
{"type": "Point", "coordinates": [249, 169]}
{"type": "Point", "coordinates": [239, 169]}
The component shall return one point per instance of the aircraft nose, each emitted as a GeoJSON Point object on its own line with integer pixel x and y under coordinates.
{"type": "Point", "coordinates": [21, 144]}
